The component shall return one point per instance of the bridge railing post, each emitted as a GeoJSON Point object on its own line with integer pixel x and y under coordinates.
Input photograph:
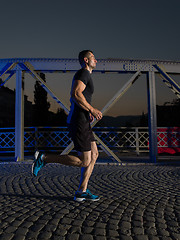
{"type": "Point", "coordinates": [137, 140]}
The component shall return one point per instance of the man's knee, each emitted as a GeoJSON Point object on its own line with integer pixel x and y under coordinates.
{"type": "Point", "coordinates": [85, 159]}
{"type": "Point", "coordinates": [85, 164]}
{"type": "Point", "coordinates": [94, 155]}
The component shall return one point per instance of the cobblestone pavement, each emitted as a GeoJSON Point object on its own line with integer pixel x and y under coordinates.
{"type": "Point", "coordinates": [139, 202]}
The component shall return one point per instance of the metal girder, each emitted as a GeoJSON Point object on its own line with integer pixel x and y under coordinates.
{"type": "Point", "coordinates": [121, 92]}
{"type": "Point", "coordinates": [19, 116]}
{"type": "Point", "coordinates": [45, 86]}
{"type": "Point", "coordinates": [103, 65]}
{"type": "Point", "coordinates": [175, 88]}
{"type": "Point", "coordinates": [5, 69]}
{"type": "Point", "coordinates": [3, 82]}
{"type": "Point", "coordinates": [107, 150]}
{"type": "Point", "coordinates": [152, 119]}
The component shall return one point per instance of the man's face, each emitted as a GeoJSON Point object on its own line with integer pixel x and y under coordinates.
{"type": "Point", "coordinates": [91, 61]}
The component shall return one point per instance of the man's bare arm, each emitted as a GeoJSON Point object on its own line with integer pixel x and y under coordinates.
{"type": "Point", "coordinates": [77, 95]}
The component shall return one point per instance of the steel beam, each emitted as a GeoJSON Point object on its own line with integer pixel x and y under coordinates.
{"type": "Point", "coordinates": [45, 86]}
{"type": "Point", "coordinates": [103, 65]}
{"type": "Point", "coordinates": [152, 119]}
{"type": "Point", "coordinates": [19, 115]}
{"type": "Point", "coordinates": [7, 67]}
{"type": "Point", "coordinates": [119, 94]}
{"type": "Point", "coordinates": [10, 75]}
{"type": "Point", "coordinates": [175, 88]}
{"type": "Point", "coordinates": [4, 70]}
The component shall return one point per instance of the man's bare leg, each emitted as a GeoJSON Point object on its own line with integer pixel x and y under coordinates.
{"type": "Point", "coordinates": [82, 160]}
{"type": "Point", "coordinates": [87, 171]}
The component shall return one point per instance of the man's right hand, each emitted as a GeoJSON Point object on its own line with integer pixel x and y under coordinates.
{"type": "Point", "coordinates": [96, 113]}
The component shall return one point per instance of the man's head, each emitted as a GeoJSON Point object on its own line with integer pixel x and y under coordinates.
{"type": "Point", "coordinates": [87, 59]}
{"type": "Point", "coordinates": [84, 54]}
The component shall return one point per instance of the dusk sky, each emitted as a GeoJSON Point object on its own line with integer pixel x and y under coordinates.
{"type": "Point", "coordinates": [112, 29]}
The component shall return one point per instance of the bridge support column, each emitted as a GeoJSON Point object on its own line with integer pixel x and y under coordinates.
{"type": "Point", "coordinates": [19, 115]}
{"type": "Point", "coordinates": [152, 118]}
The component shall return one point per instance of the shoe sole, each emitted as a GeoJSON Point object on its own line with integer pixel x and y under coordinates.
{"type": "Point", "coordinates": [85, 199]}
{"type": "Point", "coordinates": [35, 158]}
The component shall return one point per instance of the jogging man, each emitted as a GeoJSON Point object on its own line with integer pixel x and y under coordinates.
{"type": "Point", "coordinates": [79, 118]}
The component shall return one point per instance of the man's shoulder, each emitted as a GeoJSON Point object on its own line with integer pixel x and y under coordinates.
{"type": "Point", "coordinates": [82, 74]}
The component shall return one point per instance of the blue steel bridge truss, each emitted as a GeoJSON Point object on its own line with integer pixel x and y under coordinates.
{"type": "Point", "coordinates": [18, 66]}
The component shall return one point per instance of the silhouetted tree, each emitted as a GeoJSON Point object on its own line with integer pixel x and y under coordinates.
{"type": "Point", "coordinates": [168, 114]}
{"type": "Point", "coordinates": [60, 118]}
{"type": "Point", "coordinates": [41, 106]}
{"type": "Point", "coordinates": [144, 120]}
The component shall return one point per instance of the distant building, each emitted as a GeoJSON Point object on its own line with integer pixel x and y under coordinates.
{"type": "Point", "coordinates": [7, 108]}
{"type": "Point", "coordinates": [168, 115]}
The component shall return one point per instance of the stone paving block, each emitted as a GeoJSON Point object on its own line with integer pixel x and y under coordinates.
{"type": "Point", "coordinates": [75, 230]}
{"type": "Point", "coordinates": [86, 237]}
{"type": "Point", "coordinates": [125, 224]}
{"type": "Point", "coordinates": [60, 232]}
{"type": "Point", "coordinates": [167, 238]}
{"type": "Point", "coordinates": [112, 226]}
{"type": "Point", "coordinates": [10, 229]}
{"type": "Point", "coordinates": [138, 231]}
{"type": "Point", "coordinates": [87, 230]}
{"type": "Point", "coordinates": [77, 223]}
{"type": "Point", "coordinates": [21, 231]}
{"type": "Point", "coordinates": [6, 236]}
{"type": "Point", "coordinates": [125, 231]}
{"type": "Point", "coordinates": [151, 231]}
{"type": "Point", "coordinates": [19, 237]}
{"type": "Point", "coordinates": [137, 223]}
{"type": "Point", "coordinates": [123, 237]}
{"type": "Point", "coordinates": [100, 225]}
{"type": "Point", "coordinates": [26, 224]}
{"type": "Point", "coordinates": [99, 232]}
{"type": "Point", "coordinates": [141, 237]}
{"type": "Point", "coordinates": [67, 220]}
{"type": "Point", "coordinates": [89, 223]}
{"type": "Point", "coordinates": [100, 238]}
{"type": "Point", "coordinates": [163, 232]}
{"type": "Point", "coordinates": [112, 233]}
{"type": "Point", "coordinates": [153, 238]}
{"type": "Point", "coordinates": [50, 228]}
{"type": "Point", "coordinates": [73, 237]}
{"type": "Point", "coordinates": [16, 223]}
{"type": "Point", "coordinates": [56, 237]}
{"type": "Point", "coordinates": [45, 235]}
{"type": "Point", "coordinates": [175, 235]}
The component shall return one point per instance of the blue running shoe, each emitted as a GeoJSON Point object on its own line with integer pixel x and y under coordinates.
{"type": "Point", "coordinates": [38, 163]}
{"type": "Point", "coordinates": [85, 196]}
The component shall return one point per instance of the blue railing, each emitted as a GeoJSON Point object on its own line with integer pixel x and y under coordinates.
{"type": "Point", "coordinates": [117, 139]}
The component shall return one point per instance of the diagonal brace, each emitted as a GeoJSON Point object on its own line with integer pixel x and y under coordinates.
{"type": "Point", "coordinates": [45, 86]}
{"type": "Point", "coordinates": [168, 80]}
{"type": "Point", "coordinates": [119, 94]}
{"type": "Point", "coordinates": [6, 68]}
{"type": "Point", "coordinates": [11, 74]}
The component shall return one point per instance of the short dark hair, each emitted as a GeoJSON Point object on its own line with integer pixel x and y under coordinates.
{"type": "Point", "coordinates": [83, 54]}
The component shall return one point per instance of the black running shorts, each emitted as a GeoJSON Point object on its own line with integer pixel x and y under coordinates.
{"type": "Point", "coordinates": [81, 135]}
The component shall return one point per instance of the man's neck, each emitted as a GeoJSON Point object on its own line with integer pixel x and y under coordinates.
{"type": "Point", "coordinates": [88, 68]}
